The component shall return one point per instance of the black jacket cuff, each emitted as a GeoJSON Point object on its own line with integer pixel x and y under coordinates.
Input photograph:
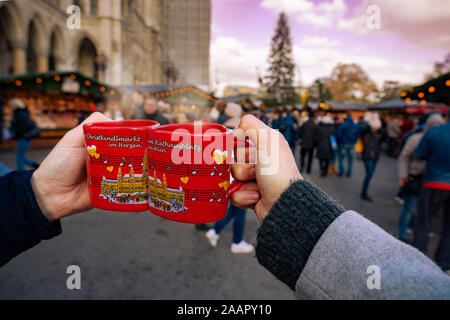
{"type": "Point", "coordinates": [22, 223]}
{"type": "Point", "coordinates": [43, 228]}
{"type": "Point", "coordinates": [292, 228]}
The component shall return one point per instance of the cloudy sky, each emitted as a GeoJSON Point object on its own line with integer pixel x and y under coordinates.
{"type": "Point", "coordinates": [413, 34]}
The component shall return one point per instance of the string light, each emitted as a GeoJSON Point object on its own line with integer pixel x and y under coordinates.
{"type": "Point", "coordinates": [18, 83]}
{"type": "Point", "coordinates": [73, 77]}
{"type": "Point", "coordinates": [431, 89]}
{"type": "Point", "coordinates": [408, 100]}
{"type": "Point", "coordinates": [57, 78]}
{"type": "Point", "coordinates": [423, 101]}
{"type": "Point", "coordinates": [102, 89]}
{"type": "Point", "coordinates": [421, 95]}
{"type": "Point", "coordinates": [87, 83]}
{"type": "Point", "coordinates": [403, 94]}
{"type": "Point", "coordinates": [38, 80]}
{"type": "Point", "coordinates": [447, 83]}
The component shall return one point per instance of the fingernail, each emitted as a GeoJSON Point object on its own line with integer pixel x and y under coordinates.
{"type": "Point", "coordinates": [253, 196]}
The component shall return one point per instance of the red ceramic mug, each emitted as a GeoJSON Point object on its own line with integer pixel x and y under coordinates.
{"type": "Point", "coordinates": [189, 171]}
{"type": "Point", "coordinates": [116, 161]}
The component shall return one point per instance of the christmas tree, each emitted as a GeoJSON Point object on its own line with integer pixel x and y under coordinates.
{"type": "Point", "coordinates": [280, 75]}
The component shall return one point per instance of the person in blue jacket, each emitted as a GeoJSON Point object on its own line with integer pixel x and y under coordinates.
{"type": "Point", "coordinates": [435, 193]}
{"type": "Point", "coordinates": [347, 136]}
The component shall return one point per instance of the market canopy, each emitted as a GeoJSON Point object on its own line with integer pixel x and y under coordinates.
{"type": "Point", "coordinates": [59, 83]}
{"type": "Point", "coordinates": [175, 94]}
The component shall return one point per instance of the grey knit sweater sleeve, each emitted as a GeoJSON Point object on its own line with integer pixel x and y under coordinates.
{"type": "Point", "coordinates": [321, 252]}
{"type": "Point", "coordinates": [290, 231]}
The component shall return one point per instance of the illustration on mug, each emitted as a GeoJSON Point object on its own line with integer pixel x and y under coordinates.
{"type": "Point", "coordinates": [164, 198]}
{"type": "Point", "coordinates": [130, 188]}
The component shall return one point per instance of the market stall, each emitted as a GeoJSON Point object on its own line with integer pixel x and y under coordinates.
{"type": "Point", "coordinates": [57, 100]}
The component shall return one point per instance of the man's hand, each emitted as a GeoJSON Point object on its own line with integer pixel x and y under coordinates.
{"type": "Point", "coordinates": [60, 182]}
{"type": "Point", "coordinates": [263, 194]}
{"type": "Point", "coordinates": [402, 182]}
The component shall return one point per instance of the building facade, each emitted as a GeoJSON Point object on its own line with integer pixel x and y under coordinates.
{"type": "Point", "coordinates": [119, 41]}
{"type": "Point", "coordinates": [186, 33]}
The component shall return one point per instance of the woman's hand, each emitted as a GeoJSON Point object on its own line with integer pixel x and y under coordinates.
{"type": "Point", "coordinates": [60, 182]}
{"type": "Point", "coordinates": [274, 171]}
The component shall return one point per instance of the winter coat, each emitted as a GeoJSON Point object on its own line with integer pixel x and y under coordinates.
{"type": "Point", "coordinates": [371, 150]}
{"type": "Point", "coordinates": [323, 143]}
{"type": "Point", "coordinates": [286, 127]}
{"type": "Point", "coordinates": [307, 133]}
{"type": "Point", "coordinates": [21, 123]}
{"type": "Point", "coordinates": [348, 132]}
{"type": "Point", "coordinates": [435, 149]}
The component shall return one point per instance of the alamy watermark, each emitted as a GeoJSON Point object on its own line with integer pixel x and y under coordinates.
{"type": "Point", "coordinates": [74, 280]}
{"type": "Point", "coordinates": [74, 20]}
{"type": "Point", "coordinates": [374, 280]}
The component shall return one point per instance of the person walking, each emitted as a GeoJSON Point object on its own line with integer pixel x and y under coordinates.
{"type": "Point", "coordinates": [24, 130]}
{"type": "Point", "coordinates": [286, 126]}
{"type": "Point", "coordinates": [393, 134]}
{"type": "Point", "coordinates": [410, 174]}
{"type": "Point", "coordinates": [323, 143]}
{"type": "Point", "coordinates": [371, 152]}
{"type": "Point", "coordinates": [307, 134]}
{"type": "Point", "coordinates": [435, 194]}
{"type": "Point", "coordinates": [347, 136]}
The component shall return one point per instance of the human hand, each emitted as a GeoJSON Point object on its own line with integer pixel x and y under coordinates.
{"type": "Point", "coordinates": [402, 182]}
{"type": "Point", "coordinates": [60, 182]}
{"type": "Point", "coordinates": [272, 151]}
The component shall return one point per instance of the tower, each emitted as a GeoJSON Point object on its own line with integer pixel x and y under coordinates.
{"type": "Point", "coordinates": [145, 167]}
{"type": "Point", "coordinates": [119, 175]}
{"type": "Point", "coordinates": [119, 180]}
{"type": "Point", "coordinates": [132, 175]}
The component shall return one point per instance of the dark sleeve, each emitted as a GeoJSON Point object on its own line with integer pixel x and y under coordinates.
{"type": "Point", "coordinates": [292, 228]}
{"type": "Point", "coordinates": [22, 224]}
{"type": "Point", "coordinates": [421, 151]}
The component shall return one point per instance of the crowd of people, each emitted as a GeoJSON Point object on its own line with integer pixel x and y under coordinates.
{"type": "Point", "coordinates": [422, 145]}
